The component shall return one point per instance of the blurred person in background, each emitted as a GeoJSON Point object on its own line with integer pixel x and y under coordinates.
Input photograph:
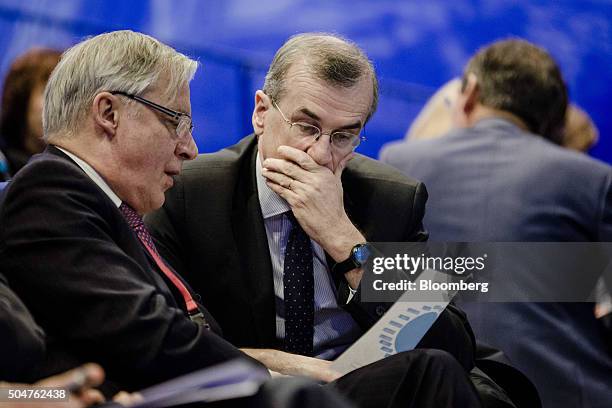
{"type": "Point", "coordinates": [435, 119]}
{"type": "Point", "coordinates": [21, 111]}
{"type": "Point", "coordinates": [498, 176]}
{"type": "Point", "coordinates": [579, 132]}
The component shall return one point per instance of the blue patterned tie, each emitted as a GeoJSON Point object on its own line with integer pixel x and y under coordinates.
{"type": "Point", "coordinates": [298, 282]}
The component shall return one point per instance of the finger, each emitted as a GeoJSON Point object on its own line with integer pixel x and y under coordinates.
{"type": "Point", "coordinates": [87, 375]}
{"type": "Point", "coordinates": [297, 156]}
{"type": "Point", "coordinates": [288, 168]}
{"type": "Point", "coordinates": [281, 180]}
{"type": "Point", "coordinates": [277, 178]}
{"type": "Point", "coordinates": [90, 397]}
{"type": "Point", "coordinates": [343, 163]}
{"type": "Point", "coordinates": [291, 197]}
{"type": "Point", "coordinates": [127, 399]}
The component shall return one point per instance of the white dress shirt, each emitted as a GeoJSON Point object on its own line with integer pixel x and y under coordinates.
{"type": "Point", "coordinates": [94, 176]}
{"type": "Point", "coordinates": [334, 328]}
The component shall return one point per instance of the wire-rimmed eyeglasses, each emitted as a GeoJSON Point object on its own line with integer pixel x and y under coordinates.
{"type": "Point", "coordinates": [342, 141]}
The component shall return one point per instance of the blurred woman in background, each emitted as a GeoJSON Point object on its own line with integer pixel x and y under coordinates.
{"type": "Point", "coordinates": [21, 109]}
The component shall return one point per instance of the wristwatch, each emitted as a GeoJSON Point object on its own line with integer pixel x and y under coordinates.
{"type": "Point", "coordinates": [360, 254]}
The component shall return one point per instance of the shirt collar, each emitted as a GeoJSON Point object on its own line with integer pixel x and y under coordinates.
{"type": "Point", "coordinates": [94, 176]}
{"type": "Point", "coordinates": [271, 203]}
{"type": "Point", "coordinates": [496, 121]}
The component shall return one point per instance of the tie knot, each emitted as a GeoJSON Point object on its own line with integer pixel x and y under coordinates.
{"type": "Point", "coordinates": [131, 216]}
{"type": "Point", "coordinates": [291, 218]}
{"type": "Point", "coordinates": [137, 225]}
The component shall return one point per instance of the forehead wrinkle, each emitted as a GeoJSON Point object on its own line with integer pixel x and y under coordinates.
{"type": "Point", "coordinates": [327, 103]}
{"type": "Point", "coordinates": [301, 73]}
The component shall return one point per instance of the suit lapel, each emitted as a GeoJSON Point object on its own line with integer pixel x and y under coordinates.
{"type": "Point", "coordinates": [250, 233]}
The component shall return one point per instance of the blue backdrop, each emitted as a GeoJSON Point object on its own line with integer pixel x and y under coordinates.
{"type": "Point", "coordinates": [416, 47]}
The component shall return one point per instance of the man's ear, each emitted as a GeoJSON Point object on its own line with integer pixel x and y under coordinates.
{"type": "Point", "coordinates": [105, 113]}
{"type": "Point", "coordinates": [470, 94]}
{"type": "Point", "coordinates": [262, 105]}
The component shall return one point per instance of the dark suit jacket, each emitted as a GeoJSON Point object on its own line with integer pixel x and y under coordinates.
{"type": "Point", "coordinates": [211, 230]}
{"type": "Point", "coordinates": [494, 182]}
{"type": "Point", "coordinates": [74, 261]}
{"type": "Point", "coordinates": [22, 341]}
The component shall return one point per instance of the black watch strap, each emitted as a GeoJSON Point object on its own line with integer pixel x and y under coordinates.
{"type": "Point", "coordinates": [359, 255]}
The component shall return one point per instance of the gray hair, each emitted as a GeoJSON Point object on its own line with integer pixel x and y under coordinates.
{"type": "Point", "coordinates": [329, 57]}
{"type": "Point", "coordinates": [117, 61]}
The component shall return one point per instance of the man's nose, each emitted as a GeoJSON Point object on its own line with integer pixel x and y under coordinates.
{"type": "Point", "coordinates": [187, 150]}
{"type": "Point", "coordinates": [321, 151]}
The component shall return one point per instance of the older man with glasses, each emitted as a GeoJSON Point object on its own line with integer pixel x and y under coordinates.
{"type": "Point", "coordinates": [73, 245]}
{"type": "Point", "coordinates": [272, 233]}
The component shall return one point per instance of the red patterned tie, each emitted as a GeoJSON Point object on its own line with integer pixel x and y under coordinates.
{"type": "Point", "coordinates": [135, 222]}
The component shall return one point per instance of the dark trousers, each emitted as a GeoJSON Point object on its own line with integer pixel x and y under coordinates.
{"type": "Point", "coordinates": [423, 378]}
{"type": "Point", "coordinates": [417, 378]}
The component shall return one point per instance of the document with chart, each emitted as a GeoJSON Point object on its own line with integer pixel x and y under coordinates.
{"type": "Point", "coordinates": [400, 329]}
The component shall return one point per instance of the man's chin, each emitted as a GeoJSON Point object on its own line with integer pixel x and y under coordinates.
{"type": "Point", "coordinates": [156, 204]}
{"type": "Point", "coordinates": [168, 182]}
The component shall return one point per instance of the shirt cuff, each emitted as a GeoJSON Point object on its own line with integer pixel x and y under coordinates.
{"type": "Point", "coordinates": [351, 294]}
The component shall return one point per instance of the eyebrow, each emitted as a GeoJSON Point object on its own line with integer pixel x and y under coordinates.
{"type": "Point", "coordinates": [312, 115]}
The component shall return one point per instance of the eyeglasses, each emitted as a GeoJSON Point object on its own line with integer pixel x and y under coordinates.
{"type": "Point", "coordinates": [184, 125]}
{"type": "Point", "coordinates": [342, 141]}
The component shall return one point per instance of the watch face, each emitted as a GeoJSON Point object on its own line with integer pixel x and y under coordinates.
{"type": "Point", "coordinates": [362, 253]}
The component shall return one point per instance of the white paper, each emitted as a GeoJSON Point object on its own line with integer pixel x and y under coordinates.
{"type": "Point", "coordinates": [400, 329]}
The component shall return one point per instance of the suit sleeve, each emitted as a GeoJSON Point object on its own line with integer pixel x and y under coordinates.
{"type": "Point", "coordinates": [451, 331]}
{"type": "Point", "coordinates": [22, 341]}
{"type": "Point", "coordinates": [90, 296]}
{"type": "Point", "coordinates": [412, 210]}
